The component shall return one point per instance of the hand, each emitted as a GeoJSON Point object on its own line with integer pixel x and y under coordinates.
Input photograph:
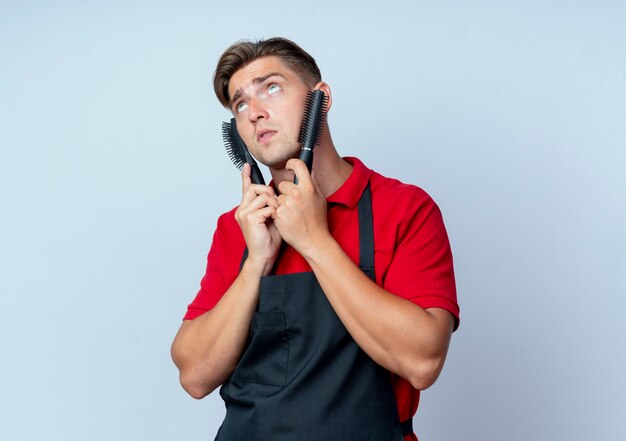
{"type": "Point", "coordinates": [301, 213]}
{"type": "Point", "coordinates": [255, 217]}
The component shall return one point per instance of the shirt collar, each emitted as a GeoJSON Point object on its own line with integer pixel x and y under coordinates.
{"type": "Point", "coordinates": [350, 191]}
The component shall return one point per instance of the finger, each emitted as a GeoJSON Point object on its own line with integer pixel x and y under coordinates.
{"type": "Point", "coordinates": [258, 217]}
{"type": "Point", "coordinates": [272, 202]}
{"type": "Point", "coordinates": [262, 201]}
{"type": "Point", "coordinates": [246, 171]}
{"type": "Point", "coordinates": [266, 213]}
{"type": "Point", "coordinates": [300, 170]}
{"type": "Point", "coordinates": [252, 211]}
{"type": "Point", "coordinates": [254, 190]}
{"type": "Point", "coordinates": [285, 187]}
{"type": "Point", "coordinates": [280, 200]}
{"type": "Point", "coordinates": [252, 201]}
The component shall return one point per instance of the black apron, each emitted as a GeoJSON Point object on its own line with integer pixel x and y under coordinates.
{"type": "Point", "coordinates": [302, 377]}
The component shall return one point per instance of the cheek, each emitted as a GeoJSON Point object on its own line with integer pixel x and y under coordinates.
{"type": "Point", "coordinates": [292, 115]}
{"type": "Point", "coordinates": [245, 132]}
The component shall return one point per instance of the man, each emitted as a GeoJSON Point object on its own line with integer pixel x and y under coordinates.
{"type": "Point", "coordinates": [328, 304]}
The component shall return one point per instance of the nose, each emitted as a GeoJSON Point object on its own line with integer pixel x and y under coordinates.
{"type": "Point", "coordinates": [256, 110]}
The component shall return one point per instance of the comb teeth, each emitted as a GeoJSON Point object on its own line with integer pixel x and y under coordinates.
{"type": "Point", "coordinates": [238, 152]}
{"type": "Point", "coordinates": [313, 119]}
{"type": "Point", "coordinates": [233, 145]}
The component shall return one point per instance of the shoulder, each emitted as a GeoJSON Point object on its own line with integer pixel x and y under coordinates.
{"type": "Point", "coordinates": [405, 212]}
{"type": "Point", "coordinates": [398, 199]}
{"type": "Point", "coordinates": [387, 192]}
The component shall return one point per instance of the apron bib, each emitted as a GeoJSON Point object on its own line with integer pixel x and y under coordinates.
{"type": "Point", "coordinates": [302, 377]}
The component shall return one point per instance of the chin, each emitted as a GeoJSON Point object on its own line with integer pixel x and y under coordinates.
{"type": "Point", "coordinates": [279, 161]}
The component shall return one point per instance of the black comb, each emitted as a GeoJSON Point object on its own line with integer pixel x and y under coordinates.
{"type": "Point", "coordinates": [312, 125]}
{"type": "Point", "coordinates": [238, 152]}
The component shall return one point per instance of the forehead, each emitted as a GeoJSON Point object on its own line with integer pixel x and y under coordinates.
{"type": "Point", "coordinates": [259, 68]}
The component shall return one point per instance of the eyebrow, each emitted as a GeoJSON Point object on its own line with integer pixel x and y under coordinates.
{"type": "Point", "coordinates": [256, 80]}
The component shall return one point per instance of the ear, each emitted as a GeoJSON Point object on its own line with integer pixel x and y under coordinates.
{"type": "Point", "coordinates": [324, 87]}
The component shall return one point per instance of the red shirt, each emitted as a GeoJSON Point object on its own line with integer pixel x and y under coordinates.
{"type": "Point", "coordinates": [412, 253]}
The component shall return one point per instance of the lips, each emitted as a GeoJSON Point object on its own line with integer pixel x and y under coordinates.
{"type": "Point", "coordinates": [264, 135]}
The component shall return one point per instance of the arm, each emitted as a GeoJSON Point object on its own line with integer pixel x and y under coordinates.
{"type": "Point", "coordinates": [396, 333]}
{"type": "Point", "coordinates": [399, 335]}
{"type": "Point", "coordinates": [206, 350]}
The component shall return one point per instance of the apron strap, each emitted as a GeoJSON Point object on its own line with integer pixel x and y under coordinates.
{"type": "Point", "coordinates": [406, 427]}
{"type": "Point", "coordinates": [243, 258]}
{"type": "Point", "coordinates": [366, 234]}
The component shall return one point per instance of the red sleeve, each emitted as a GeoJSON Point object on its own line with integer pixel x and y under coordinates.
{"type": "Point", "coordinates": [421, 269]}
{"type": "Point", "coordinates": [222, 265]}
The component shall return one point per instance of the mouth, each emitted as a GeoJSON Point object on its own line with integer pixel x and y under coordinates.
{"type": "Point", "coordinates": [263, 136]}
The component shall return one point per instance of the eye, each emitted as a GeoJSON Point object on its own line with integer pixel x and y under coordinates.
{"type": "Point", "coordinates": [241, 106]}
{"type": "Point", "coordinates": [273, 88]}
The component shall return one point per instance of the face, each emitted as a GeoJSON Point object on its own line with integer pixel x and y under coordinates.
{"type": "Point", "coordinates": [268, 99]}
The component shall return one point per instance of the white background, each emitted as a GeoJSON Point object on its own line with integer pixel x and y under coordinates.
{"type": "Point", "coordinates": [113, 172]}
